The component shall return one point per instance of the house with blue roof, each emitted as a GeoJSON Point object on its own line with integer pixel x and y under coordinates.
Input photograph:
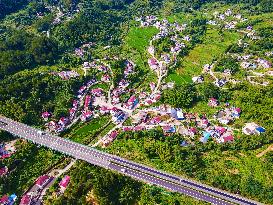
{"type": "Point", "coordinates": [206, 136]}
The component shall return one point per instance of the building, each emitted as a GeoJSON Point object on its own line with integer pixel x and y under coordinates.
{"type": "Point", "coordinates": [206, 136]}
{"type": "Point", "coordinates": [3, 171]}
{"type": "Point", "coordinates": [131, 103]}
{"type": "Point", "coordinates": [82, 89]}
{"type": "Point", "coordinates": [4, 200]}
{"type": "Point", "coordinates": [153, 63]}
{"type": "Point", "coordinates": [26, 200]}
{"type": "Point", "coordinates": [87, 102]}
{"type": "Point", "coordinates": [104, 110]}
{"type": "Point", "coordinates": [198, 79]}
{"type": "Point", "coordinates": [105, 78]}
{"type": "Point", "coordinates": [177, 114]}
{"type": "Point", "coordinates": [228, 138]}
{"type": "Point", "coordinates": [64, 183]}
{"type": "Point", "coordinates": [156, 120]}
{"type": "Point", "coordinates": [86, 115]}
{"type": "Point", "coordinates": [253, 129]}
{"type": "Point", "coordinates": [213, 102]}
{"type": "Point", "coordinates": [46, 115]}
{"type": "Point", "coordinates": [236, 112]}
{"type": "Point", "coordinates": [169, 129]}
{"type": "Point", "coordinates": [127, 129]}
{"type": "Point", "coordinates": [97, 92]}
{"type": "Point", "coordinates": [42, 181]}
{"type": "Point", "coordinates": [63, 121]}
{"type": "Point", "coordinates": [12, 199]}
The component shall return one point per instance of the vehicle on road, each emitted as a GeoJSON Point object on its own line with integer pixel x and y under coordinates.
{"type": "Point", "coordinates": [40, 132]}
{"type": "Point", "coordinates": [3, 123]}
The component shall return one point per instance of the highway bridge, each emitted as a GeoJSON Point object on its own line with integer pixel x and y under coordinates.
{"type": "Point", "coordinates": [126, 167]}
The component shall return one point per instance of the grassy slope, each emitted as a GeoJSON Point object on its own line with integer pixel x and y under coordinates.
{"type": "Point", "coordinates": [213, 46]}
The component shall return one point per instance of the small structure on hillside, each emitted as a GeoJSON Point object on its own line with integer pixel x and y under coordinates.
{"type": "Point", "coordinates": [25, 200]}
{"type": "Point", "coordinates": [64, 183]}
{"type": "Point", "coordinates": [253, 129]}
{"type": "Point", "coordinates": [213, 102]}
{"type": "Point", "coordinates": [42, 181]}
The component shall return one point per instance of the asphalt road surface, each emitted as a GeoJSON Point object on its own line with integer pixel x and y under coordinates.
{"type": "Point", "coordinates": [126, 167]}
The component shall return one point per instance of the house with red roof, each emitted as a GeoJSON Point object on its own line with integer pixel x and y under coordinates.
{"type": "Point", "coordinates": [105, 78]}
{"type": "Point", "coordinates": [153, 63]}
{"type": "Point", "coordinates": [139, 128]}
{"type": "Point", "coordinates": [213, 102]}
{"type": "Point", "coordinates": [127, 129]}
{"type": "Point", "coordinates": [63, 121]}
{"type": "Point", "coordinates": [192, 131]}
{"type": "Point", "coordinates": [156, 120]}
{"type": "Point", "coordinates": [157, 97]}
{"type": "Point", "coordinates": [228, 138]}
{"type": "Point", "coordinates": [236, 112]}
{"type": "Point", "coordinates": [87, 102]}
{"type": "Point", "coordinates": [4, 200]}
{"type": "Point", "coordinates": [75, 103]}
{"type": "Point", "coordinates": [104, 110]}
{"type": "Point", "coordinates": [46, 115]}
{"type": "Point", "coordinates": [113, 135]}
{"type": "Point", "coordinates": [64, 183]}
{"type": "Point", "coordinates": [109, 138]}
{"type": "Point", "coordinates": [52, 126]}
{"type": "Point", "coordinates": [97, 92]}
{"type": "Point", "coordinates": [82, 89]}
{"type": "Point", "coordinates": [168, 129]}
{"type": "Point", "coordinates": [148, 102]}
{"type": "Point", "coordinates": [3, 171]}
{"type": "Point", "coordinates": [25, 200]}
{"type": "Point", "coordinates": [86, 115]}
{"type": "Point", "coordinates": [220, 130]}
{"type": "Point", "coordinates": [42, 181]}
{"type": "Point", "coordinates": [203, 123]}
{"type": "Point", "coordinates": [131, 103]}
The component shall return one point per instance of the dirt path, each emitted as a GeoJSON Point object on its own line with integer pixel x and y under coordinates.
{"type": "Point", "coordinates": [270, 148]}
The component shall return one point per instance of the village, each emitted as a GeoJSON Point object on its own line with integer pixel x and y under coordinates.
{"type": "Point", "coordinates": [142, 108]}
{"type": "Point", "coordinates": [95, 102]}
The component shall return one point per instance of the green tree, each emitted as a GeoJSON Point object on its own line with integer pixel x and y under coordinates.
{"type": "Point", "coordinates": [181, 96]}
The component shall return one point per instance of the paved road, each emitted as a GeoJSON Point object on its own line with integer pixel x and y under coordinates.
{"type": "Point", "coordinates": [132, 169]}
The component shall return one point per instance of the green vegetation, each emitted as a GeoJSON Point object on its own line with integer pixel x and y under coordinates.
{"type": "Point", "coordinates": [25, 166]}
{"type": "Point", "coordinates": [88, 132]}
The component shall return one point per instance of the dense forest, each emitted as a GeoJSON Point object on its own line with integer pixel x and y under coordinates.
{"type": "Point", "coordinates": [40, 37]}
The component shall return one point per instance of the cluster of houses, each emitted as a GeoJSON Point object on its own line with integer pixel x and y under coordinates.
{"type": "Point", "coordinates": [66, 75]}
{"type": "Point", "coordinates": [253, 64]}
{"type": "Point", "coordinates": [176, 121]}
{"type": "Point", "coordinates": [33, 194]}
{"type": "Point", "coordinates": [80, 52]}
{"type": "Point", "coordinates": [229, 19]}
{"type": "Point", "coordinates": [8, 200]}
{"type": "Point", "coordinates": [166, 29]}
{"type": "Point", "coordinates": [41, 183]}
{"type": "Point", "coordinates": [6, 150]}
{"type": "Point", "coordinates": [86, 114]}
